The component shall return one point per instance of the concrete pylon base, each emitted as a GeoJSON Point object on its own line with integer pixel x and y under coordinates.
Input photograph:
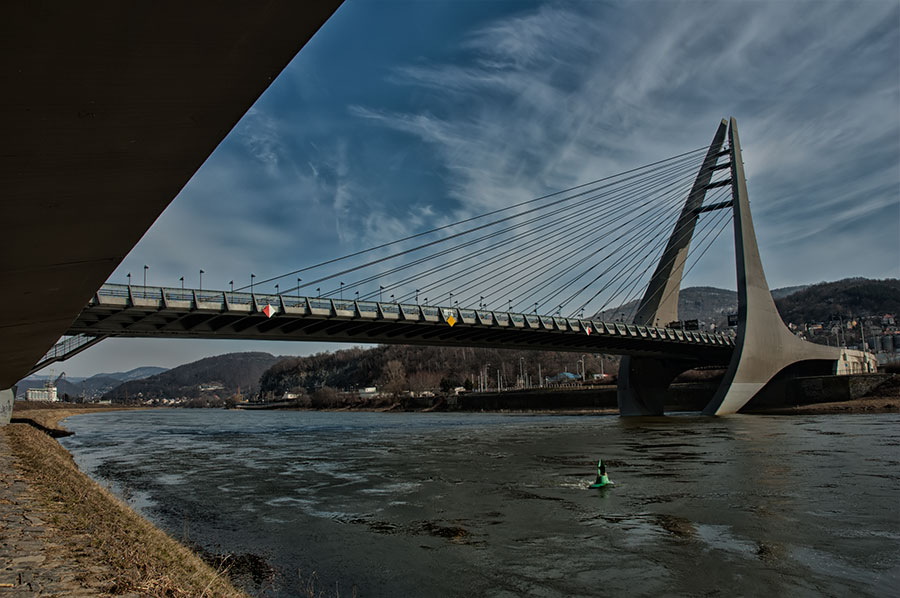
{"type": "Point", "coordinates": [6, 406]}
{"type": "Point", "coordinates": [644, 383]}
{"type": "Point", "coordinates": [764, 346]}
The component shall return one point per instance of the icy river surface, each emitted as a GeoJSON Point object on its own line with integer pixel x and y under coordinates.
{"type": "Point", "coordinates": [447, 505]}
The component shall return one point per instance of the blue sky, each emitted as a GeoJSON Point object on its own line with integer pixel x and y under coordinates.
{"type": "Point", "coordinates": [399, 116]}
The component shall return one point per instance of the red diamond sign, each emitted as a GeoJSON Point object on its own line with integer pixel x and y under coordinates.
{"type": "Point", "coordinates": [587, 330]}
{"type": "Point", "coordinates": [269, 311]}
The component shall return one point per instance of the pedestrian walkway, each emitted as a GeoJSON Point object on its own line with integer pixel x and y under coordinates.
{"type": "Point", "coordinates": [31, 563]}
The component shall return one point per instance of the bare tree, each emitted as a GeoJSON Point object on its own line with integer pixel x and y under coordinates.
{"type": "Point", "coordinates": [393, 377]}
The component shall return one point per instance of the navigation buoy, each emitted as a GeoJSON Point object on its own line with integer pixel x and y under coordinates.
{"type": "Point", "coordinates": [602, 479]}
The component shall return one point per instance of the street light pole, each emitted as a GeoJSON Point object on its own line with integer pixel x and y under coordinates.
{"type": "Point", "coordinates": [252, 276]}
{"type": "Point", "coordinates": [182, 282]}
{"type": "Point", "coordinates": [146, 267]}
{"type": "Point", "coordinates": [201, 280]}
{"type": "Point", "coordinates": [522, 370]}
{"type": "Point", "coordinates": [129, 279]}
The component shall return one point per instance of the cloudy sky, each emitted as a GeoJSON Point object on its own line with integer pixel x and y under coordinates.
{"type": "Point", "coordinates": [399, 116]}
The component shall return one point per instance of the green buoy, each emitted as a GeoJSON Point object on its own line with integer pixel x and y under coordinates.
{"type": "Point", "coordinates": [602, 479]}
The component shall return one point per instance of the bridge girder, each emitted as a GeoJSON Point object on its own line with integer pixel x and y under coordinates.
{"type": "Point", "coordinates": [119, 311]}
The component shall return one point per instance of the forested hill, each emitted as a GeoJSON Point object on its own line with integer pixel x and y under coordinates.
{"type": "Point", "coordinates": [415, 368]}
{"type": "Point", "coordinates": [848, 297]}
{"type": "Point", "coordinates": [232, 371]}
{"type": "Point", "coordinates": [710, 305]}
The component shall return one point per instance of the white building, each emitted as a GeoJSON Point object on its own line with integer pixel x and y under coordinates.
{"type": "Point", "coordinates": [45, 393]}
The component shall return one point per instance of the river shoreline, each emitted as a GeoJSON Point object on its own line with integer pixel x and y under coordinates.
{"type": "Point", "coordinates": [86, 529]}
{"type": "Point", "coordinates": [75, 536]}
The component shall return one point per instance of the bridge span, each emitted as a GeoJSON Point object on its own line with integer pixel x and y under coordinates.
{"type": "Point", "coordinates": [624, 232]}
{"type": "Point", "coordinates": [137, 311]}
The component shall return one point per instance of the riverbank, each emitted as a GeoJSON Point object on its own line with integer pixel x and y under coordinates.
{"type": "Point", "coordinates": [64, 535]}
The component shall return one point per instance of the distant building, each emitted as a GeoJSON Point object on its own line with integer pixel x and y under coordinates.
{"type": "Point", "coordinates": [563, 378]}
{"type": "Point", "coordinates": [368, 392]}
{"type": "Point", "coordinates": [46, 393]}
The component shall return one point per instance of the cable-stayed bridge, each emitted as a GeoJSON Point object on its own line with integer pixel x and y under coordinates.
{"type": "Point", "coordinates": [533, 275]}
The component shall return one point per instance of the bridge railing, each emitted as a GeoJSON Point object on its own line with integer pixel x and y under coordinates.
{"type": "Point", "coordinates": [140, 297]}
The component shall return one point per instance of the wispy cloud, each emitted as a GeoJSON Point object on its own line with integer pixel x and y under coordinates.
{"type": "Point", "coordinates": [567, 93]}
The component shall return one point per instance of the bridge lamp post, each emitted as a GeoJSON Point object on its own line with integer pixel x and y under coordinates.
{"type": "Point", "coordinates": [509, 308]}
{"type": "Point", "coordinates": [417, 296]}
{"type": "Point", "coordinates": [342, 291]}
{"type": "Point", "coordinates": [129, 279]}
{"type": "Point", "coordinates": [522, 370]}
{"type": "Point", "coordinates": [182, 282]}
{"type": "Point", "coordinates": [146, 267]}
{"type": "Point", "coordinates": [298, 287]}
{"type": "Point", "coordinates": [451, 298]}
{"type": "Point", "coordinates": [319, 291]}
{"type": "Point", "coordinates": [277, 289]}
{"type": "Point", "coordinates": [231, 282]}
{"type": "Point", "coordinates": [357, 296]}
{"type": "Point", "coordinates": [252, 276]}
{"type": "Point", "coordinates": [201, 280]}
{"type": "Point", "coordinates": [380, 294]}
{"type": "Point", "coordinates": [393, 300]}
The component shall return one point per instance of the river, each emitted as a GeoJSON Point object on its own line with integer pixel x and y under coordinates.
{"type": "Point", "coordinates": [447, 505]}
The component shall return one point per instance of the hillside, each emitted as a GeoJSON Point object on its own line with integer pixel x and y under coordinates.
{"type": "Point", "coordinates": [223, 375]}
{"type": "Point", "coordinates": [417, 368]}
{"type": "Point", "coordinates": [94, 386]}
{"type": "Point", "coordinates": [707, 304]}
{"type": "Point", "coordinates": [848, 297]}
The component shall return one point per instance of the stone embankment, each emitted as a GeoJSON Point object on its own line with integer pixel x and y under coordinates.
{"type": "Point", "coordinates": [63, 535]}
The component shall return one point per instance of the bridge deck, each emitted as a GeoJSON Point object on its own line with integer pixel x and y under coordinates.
{"type": "Point", "coordinates": [122, 311]}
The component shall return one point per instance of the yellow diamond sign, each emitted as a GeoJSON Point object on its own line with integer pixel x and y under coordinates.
{"type": "Point", "coordinates": [451, 320]}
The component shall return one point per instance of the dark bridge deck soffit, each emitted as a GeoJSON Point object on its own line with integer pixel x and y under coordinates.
{"type": "Point", "coordinates": [118, 310]}
{"type": "Point", "coordinates": [108, 108]}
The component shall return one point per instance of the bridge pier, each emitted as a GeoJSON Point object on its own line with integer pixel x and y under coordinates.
{"type": "Point", "coordinates": [644, 384]}
{"type": "Point", "coordinates": [765, 350]}
{"type": "Point", "coordinates": [6, 405]}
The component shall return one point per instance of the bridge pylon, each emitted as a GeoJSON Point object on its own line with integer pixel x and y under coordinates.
{"type": "Point", "coordinates": [766, 351]}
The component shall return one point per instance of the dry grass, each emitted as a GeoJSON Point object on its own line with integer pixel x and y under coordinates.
{"type": "Point", "coordinates": [105, 538]}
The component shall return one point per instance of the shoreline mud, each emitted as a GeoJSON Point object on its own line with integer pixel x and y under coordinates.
{"type": "Point", "coordinates": [67, 535]}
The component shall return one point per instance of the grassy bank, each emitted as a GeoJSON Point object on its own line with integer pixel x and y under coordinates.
{"type": "Point", "coordinates": [100, 534]}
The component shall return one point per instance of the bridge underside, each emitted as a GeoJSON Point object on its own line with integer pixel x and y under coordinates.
{"type": "Point", "coordinates": [108, 108]}
{"type": "Point", "coordinates": [173, 313]}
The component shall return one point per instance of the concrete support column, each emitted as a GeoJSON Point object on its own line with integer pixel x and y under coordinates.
{"type": "Point", "coordinates": [644, 384]}
{"type": "Point", "coordinates": [6, 405]}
